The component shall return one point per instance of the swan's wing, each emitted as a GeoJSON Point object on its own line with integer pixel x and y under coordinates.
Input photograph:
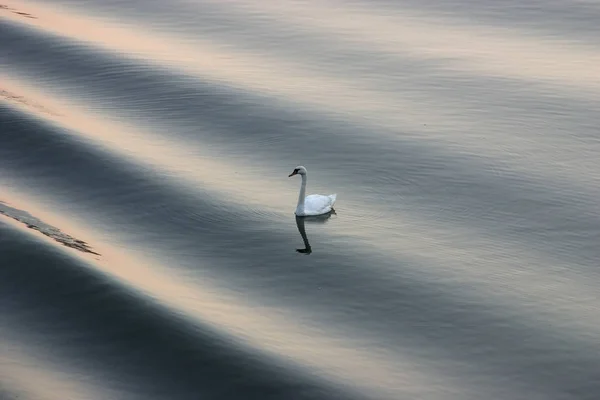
{"type": "Point", "coordinates": [317, 203]}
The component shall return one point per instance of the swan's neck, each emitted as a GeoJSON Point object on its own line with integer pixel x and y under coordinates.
{"type": "Point", "coordinates": [302, 194]}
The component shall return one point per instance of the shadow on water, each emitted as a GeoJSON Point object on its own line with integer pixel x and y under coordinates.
{"type": "Point", "coordinates": [315, 219]}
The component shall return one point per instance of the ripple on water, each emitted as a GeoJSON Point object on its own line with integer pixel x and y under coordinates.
{"type": "Point", "coordinates": [48, 230]}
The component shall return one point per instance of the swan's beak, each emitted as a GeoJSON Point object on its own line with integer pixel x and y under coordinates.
{"type": "Point", "coordinates": [292, 174]}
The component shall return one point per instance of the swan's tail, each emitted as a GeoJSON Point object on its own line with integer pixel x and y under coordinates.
{"type": "Point", "coordinates": [333, 198]}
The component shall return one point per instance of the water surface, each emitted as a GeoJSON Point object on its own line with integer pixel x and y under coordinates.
{"type": "Point", "coordinates": [460, 137]}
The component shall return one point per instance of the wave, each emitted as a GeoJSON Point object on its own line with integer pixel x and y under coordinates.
{"type": "Point", "coordinates": [461, 260]}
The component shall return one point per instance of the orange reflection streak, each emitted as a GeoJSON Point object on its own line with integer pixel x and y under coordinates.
{"type": "Point", "coordinates": [29, 374]}
{"type": "Point", "coordinates": [499, 52]}
{"type": "Point", "coordinates": [196, 165]}
{"type": "Point", "coordinates": [244, 70]}
{"type": "Point", "coordinates": [479, 49]}
{"type": "Point", "coordinates": [270, 331]}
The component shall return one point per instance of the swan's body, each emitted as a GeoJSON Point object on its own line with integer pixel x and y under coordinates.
{"type": "Point", "coordinates": [315, 204]}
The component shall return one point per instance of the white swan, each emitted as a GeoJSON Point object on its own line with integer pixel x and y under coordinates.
{"type": "Point", "coordinates": [315, 204]}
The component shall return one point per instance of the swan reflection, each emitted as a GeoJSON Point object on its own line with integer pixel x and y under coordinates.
{"type": "Point", "coordinates": [316, 219]}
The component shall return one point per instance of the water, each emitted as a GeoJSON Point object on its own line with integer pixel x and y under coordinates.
{"type": "Point", "coordinates": [149, 247]}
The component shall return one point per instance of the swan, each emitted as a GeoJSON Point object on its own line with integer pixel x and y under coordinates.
{"type": "Point", "coordinates": [315, 204]}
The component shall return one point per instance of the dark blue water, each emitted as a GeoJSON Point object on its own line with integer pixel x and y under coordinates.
{"type": "Point", "coordinates": [148, 243]}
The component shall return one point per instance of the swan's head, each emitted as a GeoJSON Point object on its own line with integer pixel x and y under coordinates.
{"type": "Point", "coordinates": [298, 170]}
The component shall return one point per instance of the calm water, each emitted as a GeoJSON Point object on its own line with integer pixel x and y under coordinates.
{"type": "Point", "coordinates": [148, 246]}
